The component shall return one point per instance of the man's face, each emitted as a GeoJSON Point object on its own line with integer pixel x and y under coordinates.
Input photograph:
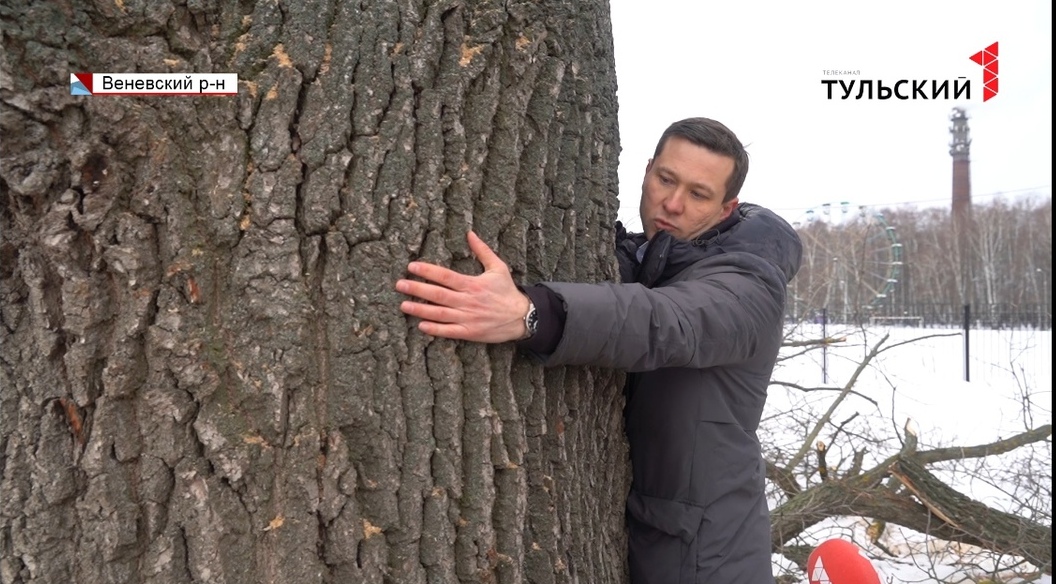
{"type": "Point", "coordinates": [683, 190]}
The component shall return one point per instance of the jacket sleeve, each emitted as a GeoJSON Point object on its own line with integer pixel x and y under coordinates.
{"type": "Point", "coordinates": [714, 316]}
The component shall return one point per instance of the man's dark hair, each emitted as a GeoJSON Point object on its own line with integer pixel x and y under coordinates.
{"type": "Point", "coordinates": [715, 137]}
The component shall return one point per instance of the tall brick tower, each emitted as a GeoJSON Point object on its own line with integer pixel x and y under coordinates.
{"type": "Point", "coordinates": [960, 144]}
{"type": "Point", "coordinates": [961, 210]}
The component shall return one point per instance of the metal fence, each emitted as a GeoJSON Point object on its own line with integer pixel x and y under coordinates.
{"type": "Point", "coordinates": [989, 317]}
{"type": "Point", "coordinates": [923, 315]}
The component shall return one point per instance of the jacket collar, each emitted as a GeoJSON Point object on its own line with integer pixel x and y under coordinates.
{"type": "Point", "coordinates": [750, 229]}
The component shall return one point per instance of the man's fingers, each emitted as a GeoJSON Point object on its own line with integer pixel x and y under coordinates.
{"type": "Point", "coordinates": [430, 312]}
{"type": "Point", "coordinates": [441, 275]}
{"type": "Point", "coordinates": [437, 321]}
{"type": "Point", "coordinates": [489, 259]}
{"type": "Point", "coordinates": [428, 292]}
{"type": "Point", "coordinates": [447, 331]}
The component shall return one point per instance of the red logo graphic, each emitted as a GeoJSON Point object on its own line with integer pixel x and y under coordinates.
{"type": "Point", "coordinates": [988, 59]}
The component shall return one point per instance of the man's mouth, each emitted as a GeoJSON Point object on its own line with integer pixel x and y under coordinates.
{"type": "Point", "coordinates": [664, 225]}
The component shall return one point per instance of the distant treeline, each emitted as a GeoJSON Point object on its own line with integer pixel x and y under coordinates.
{"type": "Point", "coordinates": [864, 263]}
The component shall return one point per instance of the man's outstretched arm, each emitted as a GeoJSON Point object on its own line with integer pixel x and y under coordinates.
{"type": "Point", "coordinates": [487, 308]}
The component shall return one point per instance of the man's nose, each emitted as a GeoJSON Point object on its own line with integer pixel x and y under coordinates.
{"type": "Point", "coordinates": [674, 202]}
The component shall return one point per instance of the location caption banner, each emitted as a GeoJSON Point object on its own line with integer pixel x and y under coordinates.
{"type": "Point", "coordinates": [153, 84]}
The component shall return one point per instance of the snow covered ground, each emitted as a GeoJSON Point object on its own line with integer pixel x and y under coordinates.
{"type": "Point", "coordinates": [1010, 390]}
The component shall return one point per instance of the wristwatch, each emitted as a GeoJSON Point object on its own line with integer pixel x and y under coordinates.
{"type": "Point", "coordinates": [531, 321]}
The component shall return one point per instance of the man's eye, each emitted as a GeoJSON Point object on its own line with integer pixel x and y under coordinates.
{"type": "Point", "coordinates": [698, 195]}
{"type": "Point", "coordinates": [666, 180]}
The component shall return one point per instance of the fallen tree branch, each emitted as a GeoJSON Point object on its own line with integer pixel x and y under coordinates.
{"type": "Point", "coordinates": [987, 527]}
{"type": "Point", "coordinates": [827, 416]}
{"type": "Point", "coordinates": [983, 450]}
{"type": "Point", "coordinates": [926, 504]}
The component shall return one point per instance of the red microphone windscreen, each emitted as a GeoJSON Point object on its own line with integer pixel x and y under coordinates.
{"type": "Point", "coordinates": [838, 561]}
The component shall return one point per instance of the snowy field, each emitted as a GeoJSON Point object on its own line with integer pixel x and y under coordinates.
{"type": "Point", "coordinates": [1010, 390]}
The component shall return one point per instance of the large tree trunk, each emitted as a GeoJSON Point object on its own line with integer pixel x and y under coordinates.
{"type": "Point", "coordinates": [205, 374]}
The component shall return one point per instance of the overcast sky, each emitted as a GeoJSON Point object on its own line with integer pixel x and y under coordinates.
{"type": "Point", "coordinates": [757, 66]}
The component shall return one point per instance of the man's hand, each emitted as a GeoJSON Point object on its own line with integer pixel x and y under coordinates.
{"type": "Point", "coordinates": [486, 309]}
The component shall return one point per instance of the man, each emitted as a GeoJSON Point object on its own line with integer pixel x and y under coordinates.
{"type": "Point", "coordinates": [697, 322]}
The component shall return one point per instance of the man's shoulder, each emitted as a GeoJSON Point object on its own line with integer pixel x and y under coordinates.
{"type": "Point", "coordinates": [727, 260]}
{"type": "Point", "coordinates": [764, 234]}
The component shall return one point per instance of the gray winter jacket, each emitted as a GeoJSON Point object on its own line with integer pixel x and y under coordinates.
{"type": "Point", "coordinates": [700, 332]}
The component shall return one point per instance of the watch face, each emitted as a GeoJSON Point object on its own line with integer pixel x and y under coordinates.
{"type": "Point", "coordinates": [532, 321]}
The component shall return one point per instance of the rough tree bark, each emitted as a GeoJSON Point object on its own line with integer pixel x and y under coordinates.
{"type": "Point", "coordinates": [205, 375]}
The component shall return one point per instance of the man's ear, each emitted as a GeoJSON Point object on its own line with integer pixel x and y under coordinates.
{"type": "Point", "coordinates": [648, 165]}
{"type": "Point", "coordinates": [728, 207]}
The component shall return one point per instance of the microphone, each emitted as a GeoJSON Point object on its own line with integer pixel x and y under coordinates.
{"type": "Point", "coordinates": [838, 561]}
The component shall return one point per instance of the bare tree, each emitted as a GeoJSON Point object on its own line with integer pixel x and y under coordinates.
{"type": "Point", "coordinates": [925, 237]}
{"type": "Point", "coordinates": [1007, 265]}
{"type": "Point", "coordinates": [205, 374]}
{"type": "Point", "coordinates": [826, 460]}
